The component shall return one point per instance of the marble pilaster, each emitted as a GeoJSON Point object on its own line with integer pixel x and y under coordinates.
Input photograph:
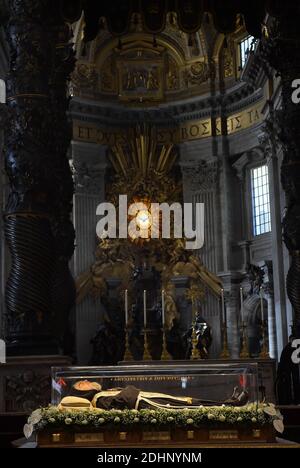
{"type": "Point", "coordinates": [89, 161]}
{"type": "Point", "coordinates": [232, 304]}
{"type": "Point", "coordinates": [200, 185]}
{"type": "Point", "coordinates": [269, 293]}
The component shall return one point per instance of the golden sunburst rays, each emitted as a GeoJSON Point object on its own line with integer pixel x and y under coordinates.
{"type": "Point", "coordinates": [143, 153]}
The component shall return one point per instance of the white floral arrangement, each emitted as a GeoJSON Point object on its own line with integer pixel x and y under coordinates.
{"type": "Point", "coordinates": [256, 414]}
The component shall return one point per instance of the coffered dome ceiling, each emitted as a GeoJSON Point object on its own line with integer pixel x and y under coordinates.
{"type": "Point", "coordinates": [139, 69]}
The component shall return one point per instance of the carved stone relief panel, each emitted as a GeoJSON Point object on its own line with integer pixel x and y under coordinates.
{"type": "Point", "coordinates": [200, 175]}
{"type": "Point", "coordinates": [196, 73]}
{"type": "Point", "coordinates": [85, 76]}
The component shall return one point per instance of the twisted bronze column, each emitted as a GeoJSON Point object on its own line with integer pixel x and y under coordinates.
{"type": "Point", "coordinates": [282, 50]}
{"type": "Point", "coordinates": [37, 218]}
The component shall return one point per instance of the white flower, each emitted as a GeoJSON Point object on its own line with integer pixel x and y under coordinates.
{"type": "Point", "coordinates": [239, 419]}
{"type": "Point", "coordinates": [278, 424]}
{"type": "Point", "coordinates": [35, 417]}
{"type": "Point", "coordinates": [52, 420]}
{"type": "Point", "coordinates": [190, 421]}
{"type": "Point", "coordinates": [68, 421]}
{"type": "Point", "coordinates": [117, 419]}
{"type": "Point", "coordinates": [84, 422]}
{"type": "Point", "coordinates": [270, 410]}
{"type": "Point", "coordinates": [222, 418]}
{"type": "Point", "coordinates": [153, 421]}
{"type": "Point", "coordinates": [210, 416]}
{"type": "Point", "coordinates": [101, 420]}
{"type": "Point", "coordinates": [136, 420]}
{"type": "Point", "coordinates": [254, 420]}
{"type": "Point", "coordinates": [170, 419]}
{"type": "Point", "coordinates": [28, 430]}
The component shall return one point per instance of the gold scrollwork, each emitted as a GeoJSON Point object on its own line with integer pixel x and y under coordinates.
{"type": "Point", "coordinates": [156, 436]}
{"type": "Point", "coordinates": [56, 437]}
{"type": "Point", "coordinates": [223, 435]}
{"type": "Point", "coordinates": [89, 437]}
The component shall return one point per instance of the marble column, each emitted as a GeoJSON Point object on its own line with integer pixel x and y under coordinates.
{"type": "Point", "coordinates": [270, 144]}
{"type": "Point", "coordinates": [232, 300]}
{"type": "Point", "coordinates": [278, 295]}
{"type": "Point", "coordinates": [269, 293]}
{"type": "Point", "coordinates": [271, 324]}
{"type": "Point", "coordinates": [89, 162]}
{"type": "Point", "coordinates": [200, 184]}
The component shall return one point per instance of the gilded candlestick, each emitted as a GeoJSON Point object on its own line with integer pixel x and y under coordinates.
{"type": "Point", "coordinates": [165, 356]}
{"type": "Point", "coordinates": [145, 308]}
{"type": "Point", "coordinates": [126, 307]}
{"type": "Point", "coordinates": [163, 307]}
{"type": "Point", "coordinates": [244, 348]}
{"type": "Point", "coordinates": [127, 353]}
{"type": "Point", "coordinates": [146, 355]}
{"type": "Point", "coordinates": [223, 318]}
{"type": "Point", "coordinates": [242, 304]}
{"type": "Point", "coordinates": [225, 351]}
{"type": "Point", "coordinates": [264, 352]}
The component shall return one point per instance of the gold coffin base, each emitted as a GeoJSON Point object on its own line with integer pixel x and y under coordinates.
{"type": "Point", "coordinates": [162, 438]}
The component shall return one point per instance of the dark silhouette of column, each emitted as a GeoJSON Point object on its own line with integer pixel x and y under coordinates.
{"type": "Point", "coordinates": [282, 50]}
{"type": "Point", "coordinates": [38, 230]}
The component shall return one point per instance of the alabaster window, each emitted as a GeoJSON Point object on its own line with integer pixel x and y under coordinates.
{"type": "Point", "coordinates": [261, 215]}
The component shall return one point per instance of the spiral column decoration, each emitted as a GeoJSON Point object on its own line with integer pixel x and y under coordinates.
{"type": "Point", "coordinates": [282, 50]}
{"type": "Point", "coordinates": [27, 291]}
{"type": "Point", "coordinates": [38, 229]}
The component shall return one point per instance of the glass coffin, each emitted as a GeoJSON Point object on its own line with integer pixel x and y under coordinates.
{"type": "Point", "coordinates": [157, 386]}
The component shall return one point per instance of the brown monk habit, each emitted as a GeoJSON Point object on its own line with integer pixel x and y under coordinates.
{"type": "Point", "coordinates": [131, 397]}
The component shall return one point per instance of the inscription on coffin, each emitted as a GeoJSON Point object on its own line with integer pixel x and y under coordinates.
{"type": "Point", "coordinates": [224, 434]}
{"type": "Point", "coordinates": [90, 437]}
{"type": "Point", "coordinates": [163, 435]}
